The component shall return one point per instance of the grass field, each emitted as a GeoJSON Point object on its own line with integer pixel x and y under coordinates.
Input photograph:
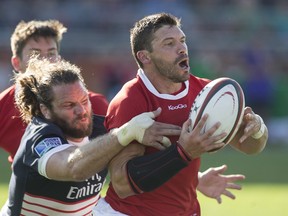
{"type": "Point", "coordinates": [265, 190]}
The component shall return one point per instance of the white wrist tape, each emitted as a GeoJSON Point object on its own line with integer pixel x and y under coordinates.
{"type": "Point", "coordinates": [134, 129]}
{"type": "Point", "coordinates": [260, 133]}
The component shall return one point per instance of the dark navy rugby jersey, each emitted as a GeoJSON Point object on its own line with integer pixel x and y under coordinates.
{"type": "Point", "coordinates": [32, 193]}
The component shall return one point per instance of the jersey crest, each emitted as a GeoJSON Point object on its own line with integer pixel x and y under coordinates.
{"type": "Point", "coordinates": [46, 144]}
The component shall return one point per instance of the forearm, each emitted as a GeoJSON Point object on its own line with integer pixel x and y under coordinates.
{"type": "Point", "coordinates": [77, 164]}
{"type": "Point", "coordinates": [148, 172]}
{"type": "Point", "coordinates": [118, 171]}
{"type": "Point", "coordinates": [92, 158]}
{"type": "Point", "coordinates": [250, 145]}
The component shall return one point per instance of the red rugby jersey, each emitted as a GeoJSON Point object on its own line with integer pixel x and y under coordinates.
{"type": "Point", "coordinates": [178, 195]}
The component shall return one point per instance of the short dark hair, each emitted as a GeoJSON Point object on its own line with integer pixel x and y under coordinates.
{"type": "Point", "coordinates": [35, 29]}
{"type": "Point", "coordinates": [141, 35]}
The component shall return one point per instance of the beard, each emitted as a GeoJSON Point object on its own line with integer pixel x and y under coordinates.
{"type": "Point", "coordinates": [70, 129]}
{"type": "Point", "coordinates": [170, 70]}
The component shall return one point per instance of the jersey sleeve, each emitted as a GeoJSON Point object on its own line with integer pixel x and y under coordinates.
{"type": "Point", "coordinates": [10, 120]}
{"type": "Point", "coordinates": [41, 142]}
{"type": "Point", "coordinates": [99, 103]}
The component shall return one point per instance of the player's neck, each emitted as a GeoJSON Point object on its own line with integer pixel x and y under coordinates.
{"type": "Point", "coordinates": [163, 84]}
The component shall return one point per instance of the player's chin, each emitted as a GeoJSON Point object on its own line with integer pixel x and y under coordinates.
{"type": "Point", "coordinates": [186, 75]}
{"type": "Point", "coordinates": [185, 69]}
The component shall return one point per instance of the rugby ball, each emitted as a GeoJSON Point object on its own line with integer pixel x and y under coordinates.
{"type": "Point", "coordinates": [223, 99]}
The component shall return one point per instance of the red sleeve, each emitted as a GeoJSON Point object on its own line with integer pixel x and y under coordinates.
{"type": "Point", "coordinates": [12, 126]}
{"type": "Point", "coordinates": [99, 103]}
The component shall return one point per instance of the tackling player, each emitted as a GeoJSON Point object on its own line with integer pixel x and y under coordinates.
{"type": "Point", "coordinates": [34, 37]}
{"type": "Point", "coordinates": [59, 168]}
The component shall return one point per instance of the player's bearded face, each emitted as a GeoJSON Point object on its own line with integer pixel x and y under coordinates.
{"type": "Point", "coordinates": [75, 127]}
{"type": "Point", "coordinates": [170, 69]}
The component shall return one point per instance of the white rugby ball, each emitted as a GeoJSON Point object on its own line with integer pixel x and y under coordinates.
{"type": "Point", "coordinates": [223, 99]}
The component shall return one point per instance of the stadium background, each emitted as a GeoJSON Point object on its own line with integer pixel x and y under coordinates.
{"type": "Point", "coordinates": [245, 40]}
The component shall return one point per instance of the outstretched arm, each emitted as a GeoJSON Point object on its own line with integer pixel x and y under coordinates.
{"type": "Point", "coordinates": [213, 184]}
{"type": "Point", "coordinates": [79, 163]}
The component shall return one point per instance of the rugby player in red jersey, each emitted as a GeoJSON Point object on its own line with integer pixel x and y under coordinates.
{"type": "Point", "coordinates": [165, 182]}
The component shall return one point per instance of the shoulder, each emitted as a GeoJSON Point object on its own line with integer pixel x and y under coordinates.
{"type": "Point", "coordinates": [8, 109]}
{"type": "Point", "coordinates": [127, 103]}
{"type": "Point", "coordinates": [40, 137]}
{"type": "Point", "coordinates": [130, 95]}
{"type": "Point", "coordinates": [129, 92]}
{"type": "Point", "coordinates": [8, 94]}
{"type": "Point", "coordinates": [97, 96]}
{"type": "Point", "coordinates": [194, 80]}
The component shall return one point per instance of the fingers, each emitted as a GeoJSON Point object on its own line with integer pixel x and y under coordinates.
{"type": "Point", "coordinates": [152, 114]}
{"type": "Point", "coordinates": [220, 169]}
{"type": "Point", "coordinates": [233, 186]}
{"type": "Point", "coordinates": [208, 133]}
{"type": "Point", "coordinates": [228, 194]}
{"type": "Point", "coordinates": [219, 200]}
{"type": "Point", "coordinates": [166, 141]}
{"type": "Point", "coordinates": [158, 146]}
{"type": "Point", "coordinates": [187, 125]}
{"type": "Point", "coordinates": [163, 128]}
{"type": "Point", "coordinates": [161, 143]}
{"type": "Point", "coordinates": [252, 124]}
{"type": "Point", "coordinates": [233, 178]}
{"type": "Point", "coordinates": [196, 142]}
{"type": "Point", "coordinates": [155, 113]}
{"type": "Point", "coordinates": [248, 110]}
{"type": "Point", "coordinates": [201, 123]}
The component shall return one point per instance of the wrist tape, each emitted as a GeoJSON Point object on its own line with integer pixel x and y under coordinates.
{"type": "Point", "coordinates": [134, 129]}
{"type": "Point", "coordinates": [260, 133]}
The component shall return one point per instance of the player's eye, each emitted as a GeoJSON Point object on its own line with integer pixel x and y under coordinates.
{"type": "Point", "coordinates": [34, 53]}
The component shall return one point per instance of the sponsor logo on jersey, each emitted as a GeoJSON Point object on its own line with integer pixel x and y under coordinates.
{"type": "Point", "coordinates": [179, 106]}
{"type": "Point", "coordinates": [93, 186]}
{"type": "Point", "coordinates": [47, 144]}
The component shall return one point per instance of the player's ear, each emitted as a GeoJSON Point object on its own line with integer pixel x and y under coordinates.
{"type": "Point", "coordinates": [143, 56]}
{"type": "Point", "coordinates": [45, 111]}
{"type": "Point", "coordinates": [15, 61]}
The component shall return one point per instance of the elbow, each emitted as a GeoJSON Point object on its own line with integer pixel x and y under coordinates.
{"type": "Point", "coordinates": [257, 150]}
{"type": "Point", "coordinates": [76, 172]}
{"type": "Point", "coordinates": [257, 147]}
{"type": "Point", "coordinates": [122, 194]}
{"type": "Point", "coordinates": [79, 177]}
{"type": "Point", "coordinates": [121, 184]}
{"type": "Point", "coordinates": [261, 144]}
